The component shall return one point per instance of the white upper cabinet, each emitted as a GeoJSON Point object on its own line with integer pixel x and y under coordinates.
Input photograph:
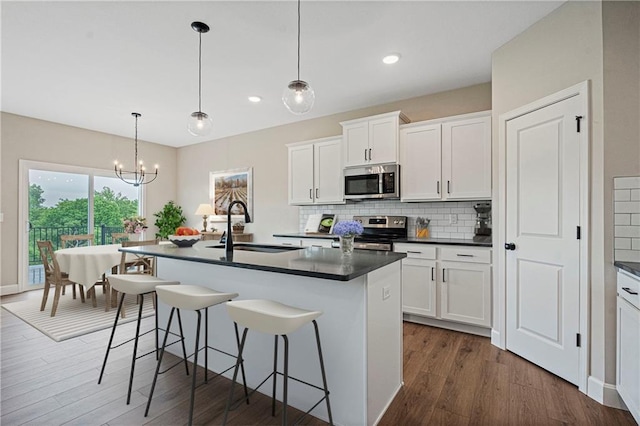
{"type": "Point", "coordinates": [447, 159]}
{"type": "Point", "coordinates": [466, 158]}
{"type": "Point", "coordinates": [372, 140]}
{"type": "Point", "coordinates": [315, 172]}
{"type": "Point", "coordinates": [420, 152]}
{"type": "Point", "coordinates": [301, 174]}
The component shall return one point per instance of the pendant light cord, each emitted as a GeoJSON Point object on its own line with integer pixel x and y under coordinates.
{"type": "Point", "coordinates": [298, 39]}
{"type": "Point", "coordinates": [135, 164]}
{"type": "Point", "coordinates": [200, 73]}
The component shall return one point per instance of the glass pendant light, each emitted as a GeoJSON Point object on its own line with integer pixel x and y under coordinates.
{"type": "Point", "coordinates": [200, 124]}
{"type": "Point", "coordinates": [298, 97]}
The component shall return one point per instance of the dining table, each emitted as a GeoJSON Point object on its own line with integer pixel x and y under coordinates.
{"type": "Point", "coordinates": [87, 265]}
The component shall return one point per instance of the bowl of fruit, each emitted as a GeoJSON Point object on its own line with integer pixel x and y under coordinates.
{"type": "Point", "coordinates": [185, 237]}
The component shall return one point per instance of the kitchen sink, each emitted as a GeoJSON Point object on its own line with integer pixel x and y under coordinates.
{"type": "Point", "coordinates": [262, 248]}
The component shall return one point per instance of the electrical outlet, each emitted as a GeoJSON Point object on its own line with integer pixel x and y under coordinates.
{"type": "Point", "coordinates": [386, 292]}
{"type": "Point", "coordinates": [453, 219]}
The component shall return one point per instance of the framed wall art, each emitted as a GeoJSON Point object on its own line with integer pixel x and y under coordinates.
{"type": "Point", "coordinates": [227, 186]}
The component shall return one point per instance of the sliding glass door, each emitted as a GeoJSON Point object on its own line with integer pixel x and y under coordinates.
{"type": "Point", "coordinates": [60, 200]}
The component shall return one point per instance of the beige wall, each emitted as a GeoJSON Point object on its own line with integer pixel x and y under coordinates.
{"type": "Point", "coordinates": [561, 50]}
{"type": "Point", "coordinates": [266, 152]}
{"type": "Point", "coordinates": [37, 140]}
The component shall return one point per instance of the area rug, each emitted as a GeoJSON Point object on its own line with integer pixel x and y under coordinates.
{"type": "Point", "coordinates": [74, 318]}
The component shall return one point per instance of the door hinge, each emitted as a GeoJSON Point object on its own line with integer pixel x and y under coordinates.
{"type": "Point", "coordinates": [578, 342]}
{"type": "Point", "coordinates": [578, 119]}
{"type": "Point", "coordinates": [578, 232]}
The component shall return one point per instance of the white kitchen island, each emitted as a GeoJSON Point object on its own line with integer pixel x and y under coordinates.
{"type": "Point", "coordinates": [360, 329]}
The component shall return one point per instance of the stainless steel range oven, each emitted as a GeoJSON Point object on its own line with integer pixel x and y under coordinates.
{"type": "Point", "coordinates": [379, 232]}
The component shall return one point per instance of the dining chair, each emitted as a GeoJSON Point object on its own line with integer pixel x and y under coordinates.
{"type": "Point", "coordinates": [131, 263]}
{"type": "Point", "coordinates": [53, 276]}
{"type": "Point", "coordinates": [119, 237]}
{"type": "Point", "coordinates": [85, 240]}
{"type": "Point", "coordinates": [81, 240]}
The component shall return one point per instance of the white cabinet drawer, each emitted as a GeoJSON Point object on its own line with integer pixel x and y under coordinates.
{"type": "Point", "coordinates": [418, 251]}
{"type": "Point", "coordinates": [286, 241]}
{"type": "Point", "coordinates": [316, 242]}
{"type": "Point", "coordinates": [465, 254]}
{"type": "Point", "coordinates": [629, 287]}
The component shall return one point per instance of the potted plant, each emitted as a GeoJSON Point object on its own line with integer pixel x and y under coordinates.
{"type": "Point", "coordinates": [169, 219]}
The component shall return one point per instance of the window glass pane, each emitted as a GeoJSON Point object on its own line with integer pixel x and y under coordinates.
{"type": "Point", "coordinates": [113, 201]}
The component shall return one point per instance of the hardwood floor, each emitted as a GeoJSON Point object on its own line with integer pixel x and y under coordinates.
{"type": "Point", "coordinates": [450, 378]}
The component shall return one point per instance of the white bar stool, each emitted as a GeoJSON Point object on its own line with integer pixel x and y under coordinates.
{"type": "Point", "coordinates": [138, 285]}
{"type": "Point", "coordinates": [275, 318]}
{"type": "Point", "coordinates": [194, 298]}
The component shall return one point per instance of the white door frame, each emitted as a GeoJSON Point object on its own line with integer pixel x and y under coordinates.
{"type": "Point", "coordinates": [498, 333]}
{"type": "Point", "coordinates": [23, 205]}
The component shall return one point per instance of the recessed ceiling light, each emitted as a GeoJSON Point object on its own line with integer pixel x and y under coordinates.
{"type": "Point", "coordinates": [255, 99]}
{"type": "Point", "coordinates": [391, 59]}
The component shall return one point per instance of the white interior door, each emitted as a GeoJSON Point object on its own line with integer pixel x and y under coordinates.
{"type": "Point", "coordinates": [543, 215]}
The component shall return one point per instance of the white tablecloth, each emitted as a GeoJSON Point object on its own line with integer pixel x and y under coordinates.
{"type": "Point", "coordinates": [85, 265]}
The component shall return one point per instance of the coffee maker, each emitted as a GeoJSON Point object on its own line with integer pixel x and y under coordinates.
{"type": "Point", "coordinates": [483, 222]}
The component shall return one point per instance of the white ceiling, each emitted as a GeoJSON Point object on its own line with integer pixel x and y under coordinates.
{"type": "Point", "coordinates": [90, 64]}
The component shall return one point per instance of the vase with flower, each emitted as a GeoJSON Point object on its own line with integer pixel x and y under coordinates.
{"type": "Point", "coordinates": [347, 231]}
{"type": "Point", "coordinates": [135, 227]}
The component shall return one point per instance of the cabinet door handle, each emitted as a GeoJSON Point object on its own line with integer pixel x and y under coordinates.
{"type": "Point", "coordinates": [443, 280]}
{"type": "Point", "coordinates": [414, 252]}
{"type": "Point", "coordinates": [448, 187]}
{"type": "Point", "coordinates": [438, 187]}
{"type": "Point", "coordinates": [628, 290]}
{"type": "Point", "coordinates": [432, 272]}
{"type": "Point", "coordinates": [316, 192]}
{"type": "Point", "coordinates": [287, 244]}
{"type": "Point", "coordinates": [310, 194]}
{"type": "Point", "coordinates": [365, 154]}
{"type": "Point", "coordinates": [464, 255]}
{"type": "Point", "coordinates": [369, 154]}
{"type": "Point", "coordinates": [315, 245]}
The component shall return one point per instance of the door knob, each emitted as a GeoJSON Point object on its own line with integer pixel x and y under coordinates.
{"type": "Point", "coordinates": [509, 246]}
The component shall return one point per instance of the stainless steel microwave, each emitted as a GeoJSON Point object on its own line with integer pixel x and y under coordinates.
{"type": "Point", "coordinates": [381, 181]}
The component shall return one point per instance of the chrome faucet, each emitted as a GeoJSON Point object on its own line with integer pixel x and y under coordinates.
{"type": "Point", "coordinates": [228, 242]}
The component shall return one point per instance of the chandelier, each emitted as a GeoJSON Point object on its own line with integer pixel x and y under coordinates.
{"type": "Point", "coordinates": [139, 175]}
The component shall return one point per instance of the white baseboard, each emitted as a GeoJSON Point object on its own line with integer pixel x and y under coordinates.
{"type": "Point", "coordinates": [449, 325]}
{"type": "Point", "coordinates": [386, 407]}
{"type": "Point", "coordinates": [9, 289]}
{"type": "Point", "coordinates": [495, 339]}
{"type": "Point", "coordinates": [604, 393]}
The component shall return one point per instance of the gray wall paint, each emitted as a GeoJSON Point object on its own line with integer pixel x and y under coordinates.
{"type": "Point", "coordinates": [584, 41]}
{"type": "Point", "coordinates": [266, 152]}
{"type": "Point", "coordinates": [37, 140]}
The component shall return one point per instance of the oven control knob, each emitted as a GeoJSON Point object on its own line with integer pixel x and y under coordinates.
{"type": "Point", "coordinates": [395, 222]}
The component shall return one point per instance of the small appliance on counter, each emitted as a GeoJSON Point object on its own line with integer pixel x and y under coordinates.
{"type": "Point", "coordinates": [483, 222]}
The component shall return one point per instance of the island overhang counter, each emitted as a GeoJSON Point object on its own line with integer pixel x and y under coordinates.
{"type": "Point", "coordinates": [360, 329]}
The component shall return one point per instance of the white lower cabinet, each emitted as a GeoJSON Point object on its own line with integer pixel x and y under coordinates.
{"type": "Point", "coordinates": [628, 342]}
{"type": "Point", "coordinates": [435, 287]}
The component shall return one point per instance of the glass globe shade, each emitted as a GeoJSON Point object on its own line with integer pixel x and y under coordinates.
{"type": "Point", "coordinates": [298, 97]}
{"type": "Point", "coordinates": [200, 124]}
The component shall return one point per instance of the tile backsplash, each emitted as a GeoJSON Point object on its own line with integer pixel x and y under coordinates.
{"type": "Point", "coordinates": [438, 212]}
{"type": "Point", "coordinates": [627, 218]}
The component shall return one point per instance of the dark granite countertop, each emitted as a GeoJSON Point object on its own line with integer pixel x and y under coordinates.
{"type": "Point", "coordinates": [449, 241]}
{"type": "Point", "coordinates": [314, 262]}
{"type": "Point", "coordinates": [321, 236]}
{"type": "Point", "coordinates": [631, 267]}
